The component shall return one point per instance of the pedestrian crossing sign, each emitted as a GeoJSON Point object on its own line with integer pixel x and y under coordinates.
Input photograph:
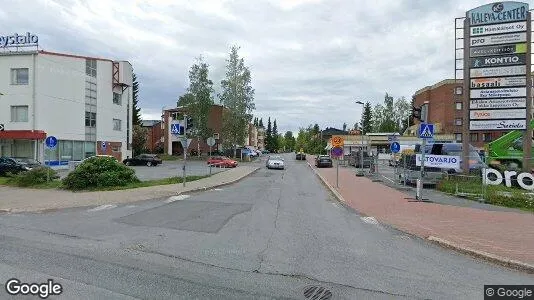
{"type": "Point", "coordinates": [426, 131]}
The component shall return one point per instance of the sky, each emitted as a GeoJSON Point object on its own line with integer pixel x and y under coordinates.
{"type": "Point", "coordinates": [310, 60]}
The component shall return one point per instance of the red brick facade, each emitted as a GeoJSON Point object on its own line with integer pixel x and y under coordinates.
{"type": "Point", "coordinates": [154, 139]}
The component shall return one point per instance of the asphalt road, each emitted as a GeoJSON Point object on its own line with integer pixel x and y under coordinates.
{"type": "Point", "coordinates": [269, 236]}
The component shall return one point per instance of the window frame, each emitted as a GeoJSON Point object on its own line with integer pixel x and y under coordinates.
{"type": "Point", "coordinates": [117, 98]}
{"type": "Point", "coordinates": [471, 135]}
{"type": "Point", "coordinates": [14, 76]}
{"type": "Point", "coordinates": [456, 137]}
{"type": "Point", "coordinates": [90, 67]}
{"type": "Point", "coordinates": [458, 123]}
{"type": "Point", "coordinates": [13, 111]}
{"type": "Point", "coordinates": [91, 119]}
{"type": "Point", "coordinates": [119, 123]}
{"type": "Point", "coordinates": [458, 104]}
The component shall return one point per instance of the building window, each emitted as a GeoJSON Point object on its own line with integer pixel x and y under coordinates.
{"type": "Point", "coordinates": [116, 124]}
{"type": "Point", "coordinates": [486, 137]}
{"type": "Point", "coordinates": [458, 122]}
{"type": "Point", "coordinates": [90, 92]}
{"type": "Point", "coordinates": [117, 98]}
{"type": "Point", "coordinates": [458, 137]}
{"type": "Point", "coordinates": [116, 148]}
{"type": "Point", "coordinates": [90, 67]}
{"type": "Point", "coordinates": [216, 136]}
{"type": "Point", "coordinates": [20, 76]}
{"type": "Point", "coordinates": [90, 119]}
{"type": "Point", "coordinates": [19, 113]}
{"type": "Point", "coordinates": [473, 137]}
{"type": "Point", "coordinates": [458, 105]}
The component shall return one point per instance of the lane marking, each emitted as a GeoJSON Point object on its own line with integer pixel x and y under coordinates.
{"type": "Point", "coordinates": [217, 189]}
{"type": "Point", "coordinates": [369, 220]}
{"type": "Point", "coordinates": [102, 207]}
{"type": "Point", "coordinates": [177, 198]}
{"type": "Point", "coordinates": [131, 206]}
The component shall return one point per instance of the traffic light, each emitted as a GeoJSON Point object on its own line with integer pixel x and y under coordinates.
{"type": "Point", "coordinates": [416, 113]}
{"type": "Point", "coordinates": [189, 123]}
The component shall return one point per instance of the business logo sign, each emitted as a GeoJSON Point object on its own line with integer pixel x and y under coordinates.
{"type": "Point", "coordinates": [498, 114]}
{"type": "Point", "coordinates": [498, 28]}
{"type": "Point", "coordinates": [498, 103]}
{"type": "Point", "coordinates": [496, 61]}
{"type": "Point", "coordinates": [479, 83]}
{"type": "Point", "coordinates": [498, 50]}
{"type": "Point", "coordinates": [439, 161]}
{"type": "Point", "coordinates": [499, 12]}
{"type": "Point", "coordinates": [16, 40]}
{"type": "Point", "coordinates": [497, 125]}
{"type": "Point", "coordinates": [498, 39]}
{"type": "Point", "coordinates": [499, 93]}
{"type": "Point", "coordinates": [498, 71]}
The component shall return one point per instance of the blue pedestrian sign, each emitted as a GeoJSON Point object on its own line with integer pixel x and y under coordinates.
{"type": "Point", "coordinates": [51, 142]}
{"type": "Point", "coordinates": [176, 129]}
{"type": "Point", "coordinates": [426, 131]}
{"type": "Point", "coordinates": [395, 147]}
{"type": "Point", "coordinates": [104, 144]}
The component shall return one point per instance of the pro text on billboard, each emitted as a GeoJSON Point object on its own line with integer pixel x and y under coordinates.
{"type": "Point", "coordinates": [498, 50]}
{"type": "Point", "coordinates": [498, 114]}
{"type": "Point", "coordinates": [499, 12]}
{"type": "Point", "coordinates": [498, 71]}
{"type": "Point", "coordinates": [17, 40]}
{"type": "Point", "coordinates": [498, 28]}
{"type": "Point", "coordinates": [498, 103]}
{"type": "Point", "coordinates": [497, 124]}
{"type": "Point", "coordinates": [507, 38]}
{"type": "Point", "coordinates": [499, 93]}
{"type": "Point", "coordinates": [497, 61]}
{"type": "Point", "coordinates": [479, 83]}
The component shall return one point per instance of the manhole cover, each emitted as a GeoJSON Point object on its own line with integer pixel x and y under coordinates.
{"type": "Point", "coordinates": [317, 293]}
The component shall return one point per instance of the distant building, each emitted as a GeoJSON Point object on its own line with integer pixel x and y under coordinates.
{"type": "Point", "coordinates": [328, 132]}
{"type": "Point", "coordinates": [261, 138]}
{"type": "Point", "coordinates": [154, 140]}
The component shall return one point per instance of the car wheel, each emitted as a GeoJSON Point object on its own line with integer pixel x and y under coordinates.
{"type": "Point", "coordinates": [127, 163]}
{"type": "Point", "coordinates": [149, 164]}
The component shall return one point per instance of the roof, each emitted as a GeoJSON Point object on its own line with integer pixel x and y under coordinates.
{"type": "Point", "coordinates": [331, 130]}
{"type": "Point", "coordinates": [149, 123]}
{"type": "Point", "coordinates": [181, 108]}
{"type": "Point", "coordinates": [73, 55]}
{"type": "Point", "coordinates": [436, 85]}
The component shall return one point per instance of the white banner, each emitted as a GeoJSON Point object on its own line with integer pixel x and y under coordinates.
{"type": "Point", "coordinates": [478, 83]}
{"type": "Point", "coordinates": [498, 103]}
{"type": "Point", "coordinates": [498, 28]}
{"type": "Point", "coordinates": [439, 161]}
{"type": "Point", "coordinates": [498, 114]}
{"type": "Point", "coordinates": [508, 38]}
{"type": "Point", "coordinates": [498, 125]}
{"type": "Point", "coordinates": [499, 93]}
{"type": "Point", "coordinates": [498, 71]}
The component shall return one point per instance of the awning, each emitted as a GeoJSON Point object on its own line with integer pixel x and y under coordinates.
{"type": "Point", "coordinates": [22, 135]}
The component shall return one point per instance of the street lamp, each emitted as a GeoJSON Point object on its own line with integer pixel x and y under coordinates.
{"type": "Point", "coordinates": [360, 172]}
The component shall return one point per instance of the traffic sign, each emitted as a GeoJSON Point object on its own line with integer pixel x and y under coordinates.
{"type": "Point", "coordinates": [210, 141]}
{"type": "Point", "coordinates": [395, 147]}
{"type": "Point", "coordinates": [337, 151]}
{"type": "Point", "coordinates": [176, 129]}
{"type": "Point", "coordinates": [104, 145]}
{"type": "Point", "coordinates": [51, 142]}
{"type": "Point", "coordinates": [392, 138]}
{"type": "Point", "coordinates": [337, 141]}
{"type": "Point", "coordinates": [426, 131]}
{"type": "Point", "coordinates": [185, 142]}
{"type": "Point", "coordinates": [2, 128]}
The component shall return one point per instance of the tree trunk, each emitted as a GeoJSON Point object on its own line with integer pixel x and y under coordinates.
{"type": "Point", "coordinates": [198, 146]}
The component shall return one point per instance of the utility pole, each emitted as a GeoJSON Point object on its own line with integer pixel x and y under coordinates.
{"type": "Point", "coordinates": [424, 117]}
{"type": "Point", "coordinates": [184, 146]}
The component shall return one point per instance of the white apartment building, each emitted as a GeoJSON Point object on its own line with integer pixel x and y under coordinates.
{"type": "Point", "coordinates": [85, 102]}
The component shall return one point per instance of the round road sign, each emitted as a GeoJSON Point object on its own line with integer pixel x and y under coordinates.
{"type": "Point", "coordinates": [395, 147]}
{"type": "Point", "coordinates": [210, 141]}
{"type": "Point", "coordinates": [337, 151]}
{"type": "Point", "coordinates": [51, 142]}
{"type": "Point", "coordinates": [337, 141]}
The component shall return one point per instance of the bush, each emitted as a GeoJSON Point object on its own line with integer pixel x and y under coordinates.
{"type": "Point", "coordinates": [36, 176]}
{"type": "Point", "coordinates": [98, 172]}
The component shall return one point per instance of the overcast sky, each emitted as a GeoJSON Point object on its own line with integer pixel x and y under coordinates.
{"type": "Point", "coordinates": [309, 59]}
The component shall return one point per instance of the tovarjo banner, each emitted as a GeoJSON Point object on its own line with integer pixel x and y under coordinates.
{"type": "Point", "coordinates": [499, 93]}
{"type": "Point", "coordinates": [498, 28]}
{"type": "Point", "coordinates": [498, 61]}
{"type": "Point", "coordinates": [498, 50]}
{"type": "Point", "coordinates": [498, 12]}
{"type": "Point", "coordinates": [498, 103]}
{"type": "Point", "coordinates": [439, 161]}
{"type": "Point", "coordinates": [497, 124]}
{"type": "Point", "coordinates": [498, 39]}
{"type": "Point", "coordinates": [498, 71]}
{"type": "Point", "coordinates": [497, 114]}
{"type": "Point", "coordinates": [479, 83]}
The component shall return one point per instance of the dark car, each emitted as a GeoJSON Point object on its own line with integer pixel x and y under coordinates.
{"type": "Point", "coordinates": [300, 156]}
{"type": "Point", "coordinates": [13, 165]}
{"type": "Point", "coordinates": [323, 161]}
{"type": "Point", "coordinates": [143, 160]}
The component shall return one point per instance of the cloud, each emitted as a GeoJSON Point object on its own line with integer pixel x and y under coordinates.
{"type": "Point", "coordinates": [309, 59]}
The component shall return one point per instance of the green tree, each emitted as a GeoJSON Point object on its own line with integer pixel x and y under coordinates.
{"type": "Point", "coordinates": [260, 123]}
{"type": "Point", "coordinates": [185, 100]}
{"type": "Point", "coordinates": [274, 137]}
{"type": "Point", "coordinates": [139, 137]}
{"type": "Point", "coordinates": [136, 115]}
{"type": "Point", "coordinates": [281, 142]}
{"type": "Point", "coordinates": [289, 141]}
{"type": "Point", "coordinates": [403, 111]}
{"type": "Point", "coordinates": [344, 126]}
{"type": "Point", "coordinates": [388, 121]}
{"type": "Point", "coordinates": [269, 136]}
{"type": "Point", "coordinates": [238, 96]}
{"type": "Point", "coordinates": [366, 123]}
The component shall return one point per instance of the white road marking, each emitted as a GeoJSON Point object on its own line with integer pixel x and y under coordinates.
{"type": "Point", "coordinates": [217, 189]}
{"type": "Point", "coordinates": [102, 207]}
{"type": "Point", "coordinates": [176, 198]}
{"type": "Point", "coordinates": [370, 220]}
{"type": "Point", "coordinates": [131, 206]}
{"type": "Point", "coordinates": [336, 205]}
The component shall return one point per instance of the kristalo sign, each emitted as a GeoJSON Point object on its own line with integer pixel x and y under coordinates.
{"type": "Point", "coordinates": [17, 40]}
{"type": "Point", "coordinates": [498, 103]}
{"type": "Point", "coordinates": [508, 38]}
{"type": "Point", "coordinates": [498, 50]}
{"type": "Point", "coordinates": [498, 71]}
{"type": "Point", "coordinates": [498, 28]}
{"type": "Point", "coordinates": [499, 93]}
{"type": "Point", "coordinates": [479, 83]}
{"type": "Point", "coordinates": [499, 12]}
{"type": "Point", "coordinates": [498, 61]}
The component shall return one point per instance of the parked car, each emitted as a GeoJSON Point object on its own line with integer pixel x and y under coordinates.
{"type": "Point", "coordinates": [323, 161]}
{"type": "Point", "coordinates": [275, 162]}
{"type": "Point", "coordinates": [355, 159]}
{"type": "Point", "coordinates": [300, 156]}
{"type": "Point", "coordinates": [143, 160]}
{"type": "Point", "coordinates": [222, 161]}
{"type": "Point", "coordinates": [30, 162]}
{"type": "Point", "coordinates": [13, 165]}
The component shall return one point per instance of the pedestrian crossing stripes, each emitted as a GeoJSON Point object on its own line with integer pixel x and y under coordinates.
{"type": "Point", "coordinates": [426, 131]}
{"type": "Point", "coordinates": [370, 220]}
{"type": "Point", "coordinates": [102, 207]}
{"type": "Point", "coordinates": [176, 198]}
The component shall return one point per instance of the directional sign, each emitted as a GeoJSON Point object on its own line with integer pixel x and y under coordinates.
{"type": "Point", "coordinates": [176, 129]}
{"type": "Point", "coordinates": [104, 145]}
{"type": "Point", "coordinates": [2, 128]}
{"type": "Point", "coordinates": [426, 131]}
{"type": "Point", "coordinates": [337, 151]}
{"type": "Point", "coordinates": [210, 141]}
{"type": "Point", "coordinates": [51, 142]}
{"type": "Point", "coordinates": [395, 147]}
{"type": "Point", "coordinates": [337, 141]}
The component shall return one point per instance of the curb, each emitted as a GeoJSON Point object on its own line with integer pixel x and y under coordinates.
{"type": "Point", "coordinates": [205, 188]}
{"type": "Point", "coordinates": [484, 255]}
{"type": "Point", "coordinates": [447, 244]}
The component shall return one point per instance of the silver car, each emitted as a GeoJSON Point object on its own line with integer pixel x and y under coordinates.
{"type": "Point", "coordinates": [275, 162]}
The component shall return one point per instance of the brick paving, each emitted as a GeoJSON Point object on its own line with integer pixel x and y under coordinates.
{"type": "Point", "coordinates": [506, 234]}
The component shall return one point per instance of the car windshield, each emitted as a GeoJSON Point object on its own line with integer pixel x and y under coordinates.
{"type": "Point", "coordinates": [275, 158]}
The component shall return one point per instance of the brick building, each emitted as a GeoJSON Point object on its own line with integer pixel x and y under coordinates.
{"type": "Point", "coordinates": [445, 110]}
{"type": "Point", "coordinates": [154, 140]}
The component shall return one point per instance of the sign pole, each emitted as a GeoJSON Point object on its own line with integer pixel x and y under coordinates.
{"type": "Point", "coordinates": [48, 169]}
{"type": "Point", "coordinates": [419, 196]}
{"type": "Point", "coordinates": [337, 173]}
{"type": "Point", "coordinates": [185, 150]}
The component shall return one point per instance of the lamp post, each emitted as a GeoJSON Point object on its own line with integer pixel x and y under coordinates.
{"type": "Point", "coordinates": [360, 171]}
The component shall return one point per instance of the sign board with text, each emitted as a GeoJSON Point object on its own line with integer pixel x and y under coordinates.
{"type": "Point", "coordinates": [498, 50]}
{"type": "Point", "coordinates": [498, 125]}
{"type": "Point", "coordinates": [498, 12]}
{"type": "Point", "coordinates": [498, 71]}
{"type": "Point", "coordinates": [439, 161]}
{"type": "Point", "coordinates": [496, 114]}
{"type": "Point", "coordinates": [498, 28]}
{"type": "Point", "coordinates": [498, 61]}
{"type": "Point", "coordinates": [508, 38]}
{"type": "Point", "coordinates": [19, 40]}
{"type": "Point", "coordinates": [479, 83]}
{"type": "Point", "coordinates": [499, 93]}
{"type": "Point", "coordinates": [498, 103]}
{"type": "Point", "coordinates": [337, 141]}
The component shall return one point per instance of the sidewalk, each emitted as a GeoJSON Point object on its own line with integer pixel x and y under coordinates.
{"type": "Point", "coordinates": [507, 237]}
{"type": "Point", "coordinates": [20, 199]}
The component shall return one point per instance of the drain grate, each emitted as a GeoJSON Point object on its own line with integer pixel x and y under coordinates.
{"type": "Point", "coordinates": [317, 293]}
